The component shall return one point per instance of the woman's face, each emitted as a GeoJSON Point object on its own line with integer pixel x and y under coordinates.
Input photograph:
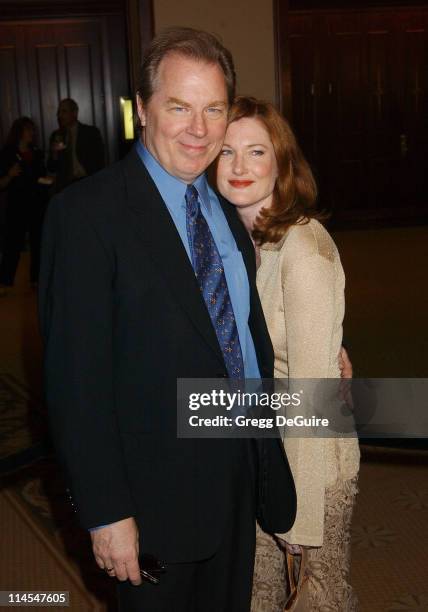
{"type": "Point", "coordinates": [27, 134]}
{"type": "Point", "coordinates": [247, 168]}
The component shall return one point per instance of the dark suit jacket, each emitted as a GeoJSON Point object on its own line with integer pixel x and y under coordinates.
{"type": "Point", "coordinates": [123, 317]}
{"type": "Point", "coordinates": [89, 151]}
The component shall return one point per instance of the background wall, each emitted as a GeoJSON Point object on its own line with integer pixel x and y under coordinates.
{"type": "Point", "coordinates": [245, 27]}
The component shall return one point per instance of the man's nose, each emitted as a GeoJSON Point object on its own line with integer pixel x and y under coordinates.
{"type": "Point", "coordinates": [198, 126]}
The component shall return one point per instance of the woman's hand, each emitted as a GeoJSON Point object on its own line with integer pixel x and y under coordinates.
{"type": "Point", "coordinates": [345, 364]}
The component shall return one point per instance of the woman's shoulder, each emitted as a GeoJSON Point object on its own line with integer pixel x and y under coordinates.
{"type": "Point", "coordinates": [309, 238]}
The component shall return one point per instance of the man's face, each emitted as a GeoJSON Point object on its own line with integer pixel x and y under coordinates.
{"type": "Point", "coordinates": [185, 119]}
{"type": "Point", "coordinates": [66, 116]}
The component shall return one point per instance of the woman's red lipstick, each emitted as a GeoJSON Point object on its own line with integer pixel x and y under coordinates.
{"type": "Point", "coordinates": [240, 184]}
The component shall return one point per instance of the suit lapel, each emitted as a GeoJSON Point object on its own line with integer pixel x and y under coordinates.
{"type": "Point", "coordinates": [157, 231]}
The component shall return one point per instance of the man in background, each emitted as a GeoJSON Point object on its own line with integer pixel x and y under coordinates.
{"type": "Point", "coordinates": [76, 149]}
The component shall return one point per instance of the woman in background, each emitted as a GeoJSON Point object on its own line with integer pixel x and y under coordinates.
{"type": "Point", "coordinates": [21, 166]}
{"type": "Point", "coordinates": [262, 171]}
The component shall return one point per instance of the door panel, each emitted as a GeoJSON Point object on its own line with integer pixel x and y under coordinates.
{"type": "Point", "coordinates": [414, 136]}
{"type": "Point", "coordinates": [13, 100]}
{"type": "Point", "coordinates": [44, 61]}
{"type": "Point", "coordinates": [366, 128]}
{"type": "Point", "coordinates": [347, 110]}
{"type": "Point", "coordinates": [65, 62]}
{"type": "Point", "coordinates": [383, 117]}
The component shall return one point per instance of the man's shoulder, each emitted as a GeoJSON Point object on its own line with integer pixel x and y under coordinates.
{"type": "Point", "coordinates": [106, 190]}
{"type": "Point", "coordinates": [87, 129]}
{"type": "Point", "coordinates": [95, 194]}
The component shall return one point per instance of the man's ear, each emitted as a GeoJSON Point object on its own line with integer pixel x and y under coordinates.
{"type": "Point", "coordinates": [141, 111]}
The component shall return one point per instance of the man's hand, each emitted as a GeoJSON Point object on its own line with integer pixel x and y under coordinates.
{"type": "Point", "coordinates": [345, 364]}
{"type": "Point", "coordinates": [346, 373]}
{"type": "Point", "coordinates": [116, 546]}
{"type": "Point", "coordinates": [15, 170]}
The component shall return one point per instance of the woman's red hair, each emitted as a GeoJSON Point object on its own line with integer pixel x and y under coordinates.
{"type": "Point", "coordinates": [295, 191]}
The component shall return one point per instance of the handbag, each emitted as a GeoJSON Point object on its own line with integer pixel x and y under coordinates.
{"type": "Point", "coordinates": [298, 600]}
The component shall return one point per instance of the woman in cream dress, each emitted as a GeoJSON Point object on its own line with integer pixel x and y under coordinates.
{"type": "Point", "coordinates": [301, 284]}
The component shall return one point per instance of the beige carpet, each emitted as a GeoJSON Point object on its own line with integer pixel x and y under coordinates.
{"type": "Point", "coordinates": [30, 561]}
{"type": "Point", "coordinates": [389, 567]}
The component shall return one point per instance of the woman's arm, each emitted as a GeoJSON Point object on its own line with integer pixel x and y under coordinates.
{"type": "Point", "coordinates": [308, 285]}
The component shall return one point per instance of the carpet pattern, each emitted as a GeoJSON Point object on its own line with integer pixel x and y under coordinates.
{"type": "Point", "coordinates": [389, 533]}
{"type": "Point", "coordinates": [37, 494]}
{"type": "Point", "coordinates": [23, 428]}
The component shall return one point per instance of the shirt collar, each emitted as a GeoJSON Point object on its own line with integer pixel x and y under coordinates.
{"type": "Point", "coordinates": [172, 189]}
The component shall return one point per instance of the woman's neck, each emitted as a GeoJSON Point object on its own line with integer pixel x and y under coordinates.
{"type": "Point", "coordinates": [249, 214]}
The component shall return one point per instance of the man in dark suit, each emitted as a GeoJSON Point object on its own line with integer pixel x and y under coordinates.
{"type": "Point", "coordinates": [76, 150]}
{"type": "Point", "coordinates": [147, 276]}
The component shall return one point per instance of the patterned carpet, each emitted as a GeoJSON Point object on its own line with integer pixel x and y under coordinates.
{"type": "Point", "coordinates": [38, 495]}
{"type": "Point", "coordinates": [389, 535]}
{"type": "Point", "coordinates": [23, 430]}
{"type": "Point", "coordinates": [36, 518]}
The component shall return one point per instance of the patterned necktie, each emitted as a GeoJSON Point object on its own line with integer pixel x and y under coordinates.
{"type": "Point", "coordinates": [209, 271]}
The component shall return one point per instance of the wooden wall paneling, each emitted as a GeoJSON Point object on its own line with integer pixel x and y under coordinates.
{"type": "Point", "coordinates": [414, 136]}
{"type": "Point", "coordinates": [65, 61]}
{"type": "Point", "coordinates": [14, 89]}
{"type": "Point", "coordinates": [347, 104]}
{"type": "Point", "coordinates": [10, 91]}
{"type": "Point", "coordinates": [304, 83]}
{"type": "Point", "coordinates": [366, 128]}
{"type": "Point", "coordinates": [382, 112]}
{"type": "Point", "coordinates": [73, 48]}
{"type": "Point", "coordinates": [45, 76]}
{"type": "Point", "coordinates": [50, 9]}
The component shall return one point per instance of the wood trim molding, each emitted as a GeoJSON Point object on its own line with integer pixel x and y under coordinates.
{"type": "Point", "coordinates": [33, 9]}
{"type": "Point", "coordinates": [342, 5]}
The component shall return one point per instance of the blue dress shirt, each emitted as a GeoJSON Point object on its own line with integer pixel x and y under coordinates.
{"type": "Point", "coordinates": [172, 191]}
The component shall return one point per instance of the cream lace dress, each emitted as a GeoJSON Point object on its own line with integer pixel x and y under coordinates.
{"type": "Point", "coordinates": [301, 284]}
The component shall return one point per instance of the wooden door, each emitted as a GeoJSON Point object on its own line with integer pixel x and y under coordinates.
{"type": "Point", "coordinates": [308, 106]}
{"type": "Point", "coordinates": [413, 49]}
{"type": "Point", "coordinates": [366, 127]}
{"type": "Point", "coordinates": [305, 81]}
{"type": "Point", "coordinates": [382, 121]}
{"type": "Point", "coordinates": [65, 62]}
{"type": "Point", "coordinates": [44, 61]}
{"type": "Point", "coordinates": [14, 99]}
{"type": "Point", "coordinates": [344, 112]}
